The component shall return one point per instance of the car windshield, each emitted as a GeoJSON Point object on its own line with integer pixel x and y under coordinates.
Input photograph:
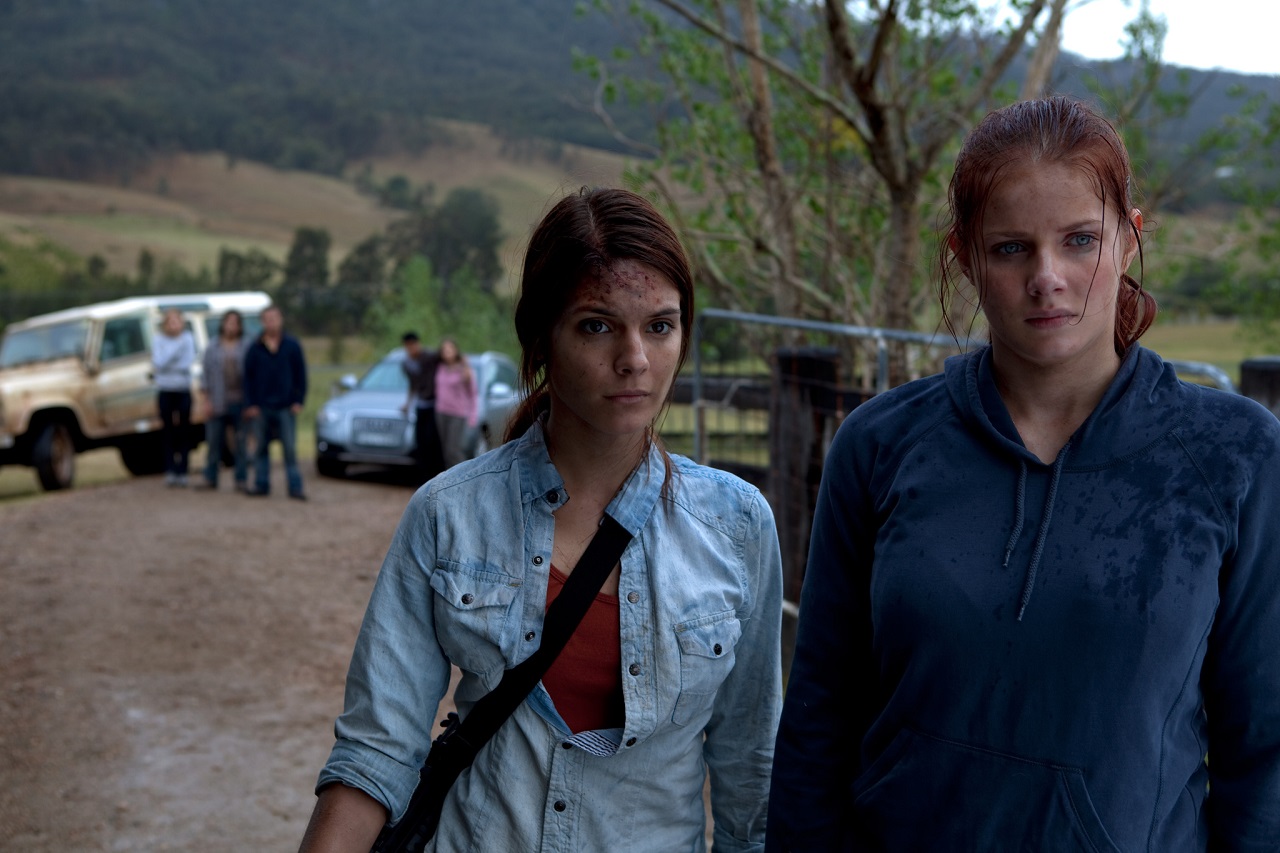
{"type": "Point", "coordinates": [42, 343]}
{"type": "Point", "coordinates": [386, 375]}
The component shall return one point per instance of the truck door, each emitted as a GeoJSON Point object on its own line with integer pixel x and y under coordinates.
{"type": "Point", "coordinates": [125, 396]}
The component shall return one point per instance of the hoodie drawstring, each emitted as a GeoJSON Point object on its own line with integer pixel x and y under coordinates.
{"type": "Point", "coordinates": [1020, 510]}
{"type": "Point", "coordinates": [1043, 532]}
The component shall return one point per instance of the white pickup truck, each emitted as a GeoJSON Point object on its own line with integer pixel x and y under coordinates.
{"type": "Point", "coordinates": [79, 379]}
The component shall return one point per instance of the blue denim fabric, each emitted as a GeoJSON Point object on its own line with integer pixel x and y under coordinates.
{"type": "Point", "coordinates": [281, 424]}
{"type": "Point", "coordinates": [464, 582]}
{"type": "Point", "coordinates": [215, 431]}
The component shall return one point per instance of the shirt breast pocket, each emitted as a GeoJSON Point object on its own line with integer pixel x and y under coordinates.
{"type": "Point", "coordinates": [706, 658]}
{"type": "Point", "coordinates": [472, 610]}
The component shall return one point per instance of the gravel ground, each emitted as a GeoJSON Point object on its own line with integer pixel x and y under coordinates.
{"type": "Point", "coordinates": [172, 661]}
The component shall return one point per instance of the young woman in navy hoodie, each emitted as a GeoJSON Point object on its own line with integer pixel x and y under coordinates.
{"type": "Point", "coordinates": [1042, 605]}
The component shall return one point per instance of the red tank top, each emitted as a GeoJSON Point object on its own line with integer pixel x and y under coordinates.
{"type": "Point", "coordinates": [585, 682]}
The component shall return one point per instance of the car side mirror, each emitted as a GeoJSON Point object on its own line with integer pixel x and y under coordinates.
{"type": "Point", "coordinates": [347, 383]}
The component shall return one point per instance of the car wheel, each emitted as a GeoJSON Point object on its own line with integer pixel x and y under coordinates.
{"type": "Point", "coordinates": [54, 457]}
{"type": "Point", "coordinates": [143, 455]}
{"type": "Point", "coordinates": [331, 468]}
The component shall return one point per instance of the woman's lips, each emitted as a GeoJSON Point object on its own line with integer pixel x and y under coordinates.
{"type": "Point", "coordinates": [628, 396]}
{"type": "Point", "coordinates": [1052, 320]}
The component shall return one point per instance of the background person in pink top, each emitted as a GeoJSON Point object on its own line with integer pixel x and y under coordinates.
{"type": "Point", "coordinates": [455, 403]}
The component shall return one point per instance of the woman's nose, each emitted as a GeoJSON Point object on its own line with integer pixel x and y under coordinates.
{"type": "Point", "coordinates": [1046, 275]}
{"type": "Point", "coordinates": [632, 357]}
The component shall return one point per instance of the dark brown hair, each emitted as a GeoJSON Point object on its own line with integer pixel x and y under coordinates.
{"type": "Point", "coordinates": [582, 237]}
{"type": "Point", "coordinates": [1052, 130]}
{"type": "Point", "coordinates": [222, 323]}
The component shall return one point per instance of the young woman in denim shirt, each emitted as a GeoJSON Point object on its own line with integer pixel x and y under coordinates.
{"type": "Point", "coordinates": [676, 668]}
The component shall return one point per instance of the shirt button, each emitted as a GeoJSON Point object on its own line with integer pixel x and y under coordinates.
{"type": "Point", "coordinates": [717, 649]}
{"type": "Point", "coordinates": [467, 598]}
{"type": "Point", "coordinates": [529, 636]}
{"type": "Point", "coordinates": [553, 496]}
{"type": "Point", "coordinates": [537, 561]}
{"type": "Point", "coordinates": [634, 669]}
{"type": "Point", "coordinates": [631, 741]}
{"type": "Point", "coordinates": [567, 745]}
{"type": "Point", "coordinates": [560, 805]}
{"type": "Point", "coordinates": [633, 597]}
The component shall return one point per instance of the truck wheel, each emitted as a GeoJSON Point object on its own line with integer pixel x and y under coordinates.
{"type": "Point", "coordinates": [142, 455]}
{"type": "Point", "coordinates": [54, 457]}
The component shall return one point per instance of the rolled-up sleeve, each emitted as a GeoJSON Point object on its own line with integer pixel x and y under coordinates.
{"type": "Point", "coordinates": [398, 673]}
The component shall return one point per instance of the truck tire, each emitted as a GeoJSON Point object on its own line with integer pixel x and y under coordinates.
{"type": "Point", "coordinates": [143, 455]}
{"type": "Point", "coordinates": [54, 457]}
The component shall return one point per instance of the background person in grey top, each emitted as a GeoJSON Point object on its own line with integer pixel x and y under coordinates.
{"type": "Point", "coordinates": [222, 399]}
{"type": "Point", "coordinates": [420, 366]}
{"type": "Point", "coordinates": [173, 351]}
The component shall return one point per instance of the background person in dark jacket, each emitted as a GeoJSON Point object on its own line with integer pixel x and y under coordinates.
{"type": "Point", "coordinates": [420, 366]}
{"type": "Point", "coordinates": [1044, 584]}
{"type": "Point", "coordinates": [275, 386]}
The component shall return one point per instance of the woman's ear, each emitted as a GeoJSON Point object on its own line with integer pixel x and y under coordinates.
{"type": "Point", "coordinates": [1132, 235]}
{"type": "Point", "coordinates": [961, 255]}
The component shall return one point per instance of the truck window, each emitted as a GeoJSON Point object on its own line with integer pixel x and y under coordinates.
{"type": "Point", "coordinates": [43, 343]}
{"type": "Point", "coordinates": [122, 337]}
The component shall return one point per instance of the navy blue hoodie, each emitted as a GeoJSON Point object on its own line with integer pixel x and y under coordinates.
{"type": "Point", "coordinates": [998, 654]}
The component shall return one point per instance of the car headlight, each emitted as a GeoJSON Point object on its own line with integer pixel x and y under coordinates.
{"type": "Point", "coordinates": [328, 416]}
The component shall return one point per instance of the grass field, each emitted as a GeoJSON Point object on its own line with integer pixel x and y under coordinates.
{"type": "Point", "coordinates": [186, 207]}
{"type": "Point", "coordinates": [1222, 343]}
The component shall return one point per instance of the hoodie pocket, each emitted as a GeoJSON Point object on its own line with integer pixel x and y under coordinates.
{"type": "Point", "coordinates": [472, 607]}
{"type": "Point", "coordinates": [927, 793]}
{"type": "Point", "coordinates": [706, 659]}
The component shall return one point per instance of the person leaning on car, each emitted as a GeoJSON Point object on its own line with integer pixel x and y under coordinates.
{"type": "Point", "coordinates": [420, 366]}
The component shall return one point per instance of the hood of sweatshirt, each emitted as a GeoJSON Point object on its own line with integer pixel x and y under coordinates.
{"type": "Point", "coordinates": [1141, 405]}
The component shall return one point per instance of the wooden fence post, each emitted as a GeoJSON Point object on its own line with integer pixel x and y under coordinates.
{"type": "Point", "coordinates": [804, 397]}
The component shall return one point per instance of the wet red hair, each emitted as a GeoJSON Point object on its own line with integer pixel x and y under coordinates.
{"type": "Point", "coordinates": [1051, 130]}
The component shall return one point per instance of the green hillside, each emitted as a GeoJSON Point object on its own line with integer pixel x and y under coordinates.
{"type": "Point", "coordinates": [97, 88]}
{"type": "Point", "coordinates": [93, 87]}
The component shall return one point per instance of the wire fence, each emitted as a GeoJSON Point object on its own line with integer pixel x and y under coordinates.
{"type": "Point", "coordinates": [766, 395]}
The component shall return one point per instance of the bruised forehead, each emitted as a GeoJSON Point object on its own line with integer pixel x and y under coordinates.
{"type": "Point", "coordinates": [627, 279]}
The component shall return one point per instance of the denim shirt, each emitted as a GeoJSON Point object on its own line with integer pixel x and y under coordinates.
{"type": "Point", "coordinates": [465, 580]}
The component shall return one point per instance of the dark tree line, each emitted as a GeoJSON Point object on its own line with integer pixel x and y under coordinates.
{"type": "Point", "coordinates": [93, 88]}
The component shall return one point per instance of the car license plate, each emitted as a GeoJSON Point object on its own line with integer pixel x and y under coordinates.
{"type": "Point", "coordinates": [378, 439]}
{"type": "Point", "coordinates": [378, 432]}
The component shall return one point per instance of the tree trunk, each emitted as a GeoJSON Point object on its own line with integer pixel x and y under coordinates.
{"type": "Point", "coordinates": [1036, 83]}
{"type": "Point", "coordinates": [902, 264]}
{"type": "Point", "coordinates": [777, 213]}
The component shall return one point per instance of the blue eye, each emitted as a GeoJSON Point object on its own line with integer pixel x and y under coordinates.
{"type": "Point", "coordinates": [1081, 240]}
{"type": "Point", "coordinates": [1008, 248]}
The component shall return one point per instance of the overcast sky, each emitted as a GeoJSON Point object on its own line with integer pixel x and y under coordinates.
{"type": "Point", "coordinates": [1237, 35]}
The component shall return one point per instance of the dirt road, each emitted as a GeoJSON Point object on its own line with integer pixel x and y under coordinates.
{"type": "Point", "coordinates": [172, 661]}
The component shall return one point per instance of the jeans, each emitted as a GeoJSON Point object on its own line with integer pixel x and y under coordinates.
{"type": "Point", "coordinates": [175, 423]}
{"type": "Point", "coordinates": [215, 433]}
{"type": "Point", "coordinates": [281, 424]}
{"type": "Point", "coordinates": [426, 438]}
{"type": "Point", "coordinates": [454, 435]}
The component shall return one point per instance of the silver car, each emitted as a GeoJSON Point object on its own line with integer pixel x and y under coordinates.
{"type": "Point", "coordinates": [366, 424]}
